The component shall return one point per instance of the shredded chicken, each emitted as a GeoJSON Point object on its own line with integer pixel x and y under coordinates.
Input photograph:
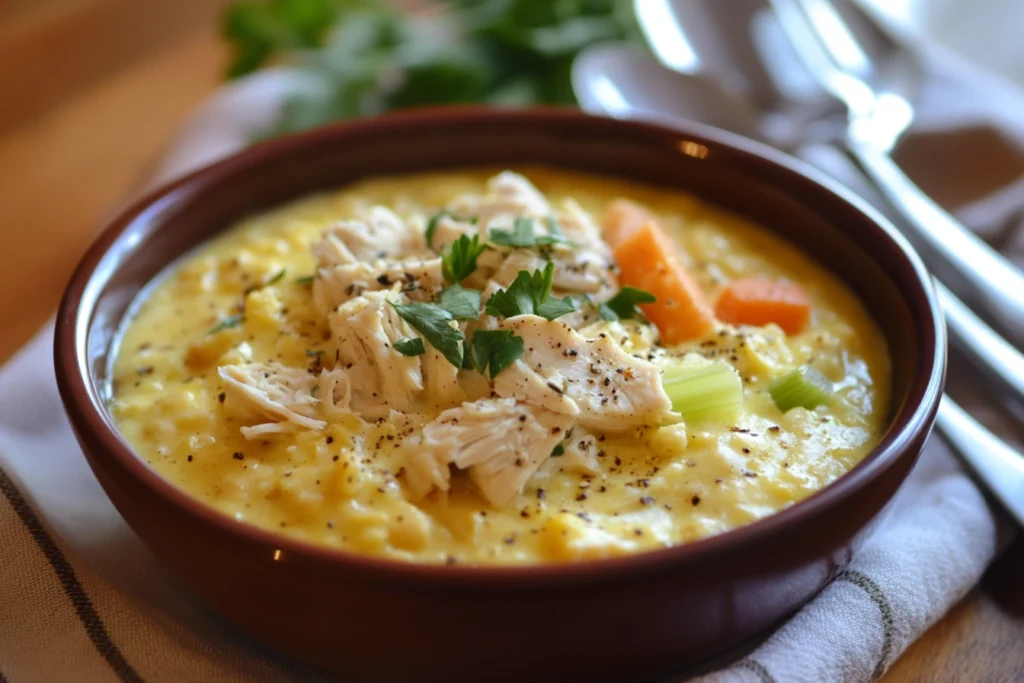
{"type": "Point", "coordinates": [448, 230]}
{"type": "Point", "coordinates": [612, 390]}
{"type": "Point", "coordinates": [283, 394]}
{"type": "Point", "coordinates": [580, 453]}
{"type": "Point", "coordinates": [500, 441]}
{"type": "Point", "coordinates": [337, 284]}
{"type": "Point", "coordinates": [586, 266]}
{"type": "Point", "coordinates": [365, 329]}
{"type": "Point", "coordinates": [382, 234]}
{"type": "Point", "coordinates": [509, 195]}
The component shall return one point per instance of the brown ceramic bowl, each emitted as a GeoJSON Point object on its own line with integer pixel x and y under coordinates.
{"type": "Point", "coordinates": [621, 619]}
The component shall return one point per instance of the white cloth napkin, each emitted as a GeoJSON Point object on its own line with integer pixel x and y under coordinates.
{"type": "Point", "coordinates": [81, 599]}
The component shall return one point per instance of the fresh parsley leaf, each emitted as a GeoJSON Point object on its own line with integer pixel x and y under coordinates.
{"type": "Point", "coordinates": [557, 451]}
{"type": "Point", "coordinates": [434, 323]}
{"type": "Point", "coordinates": [305, 280]}
{"type": "Point", "coordinates": [265, 283]}
{"type": "Point", "coordinates": [530, 293]}
{"type": "Point", "coordinates": [521, 235]}
{"type": "Point", "coordinates": [228, 322]}
{"type": "Point", "coordinates": [459, 261]}
{"type": "Point", "coordinates": [462, 303]}
{"type": "Point", "coordinates": [494, 350]}
{"type": "Point", "coordinates": [365, 57]}
{"type": "Point", "coordinates": [622, 306]}
{"type": "Point", "coordinates": [412, 346]}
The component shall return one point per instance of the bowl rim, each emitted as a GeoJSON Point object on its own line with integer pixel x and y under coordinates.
{"type": "Point", "coordinates": [87, 411]}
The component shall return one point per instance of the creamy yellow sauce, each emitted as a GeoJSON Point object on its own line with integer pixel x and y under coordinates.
{"type": "Point", "coordinates": [338, 487]}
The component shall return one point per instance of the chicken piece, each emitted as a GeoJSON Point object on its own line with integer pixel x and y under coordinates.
{"type": "Point", "coordinates": [500, 441]}
{"type": "Point", "coordinates": [365, 329]}
{"type": "Point", "coordinates": [283, 394]}
{"type": "Point", "coordinates": [517, 260]}
{"type": "Point", "coordinates": [382, 234]}
{"type": "Point", "coordinates": [509, 195]}
{"type": "Point", "coordinates": [448, 230]}
{"type": "Point", "coordinates": [441, 380]}
{"type": "Point", "coordinates": [586, 266]}
{"type": "Point", "coordinates": [580, 453]}
{"type": "Point", "coordinates": [337, 284]}
{"type": "Point", "coordinates": [612, 390]}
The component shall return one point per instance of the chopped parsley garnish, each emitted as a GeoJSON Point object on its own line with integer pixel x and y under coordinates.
{"type": "Point", "coordinates": [491, 351]}
{"type": "Point", "coordinates": [530, 294]}
{"type": "Point", "coordinates": [557, 451]}
{"type": "Point", "coordinates": [622, 306]}
{"type": "Point", "coordinates": [522, 236]}
{"type": "Point", "coordinates": [305, 279]}
{"type": "Point", "coordinates": [462, 303]}
{"type": "Point", "coordinates": [412, 346]}
{"type": "Point", "coordinates": [459, 261]}
{"type": "Point", "coordinates": [434, 323]}
{"type": "Point", "coordinates": [315, 390]}
{"type": "Point", "coordinates": [271, 280]}
{"type": "Point", "coordinates": [228, 322]}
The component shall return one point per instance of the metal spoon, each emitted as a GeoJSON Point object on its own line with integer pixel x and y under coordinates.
{"type": "Point", "coordinates": [878, 79]}
{"type": "Point", "coordinates": [612, 80]}
{"type": "Point", "coordinates": [623, 81]}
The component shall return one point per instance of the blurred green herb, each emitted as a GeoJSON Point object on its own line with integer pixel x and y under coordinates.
{"type": "Point", "coordinates": [362, 57]}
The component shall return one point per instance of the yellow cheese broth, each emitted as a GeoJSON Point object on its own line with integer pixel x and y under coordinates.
{"type": "Point", "coordinates": [338, 487]}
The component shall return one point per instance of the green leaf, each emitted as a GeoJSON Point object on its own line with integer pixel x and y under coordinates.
{"type": "Point", "coordinates": [459, 260]}
{"type": "Point", "coordinates": [521, 235]}
{"type": "Point", "coordinates": [622, 306]}
{"type": "Point", "coordinates": [412, 346]}
{"type": "Point", "coordinates": [228, 322]}
{"type": "Point", "coordinates": [530, 293]}
{"type": "Point", "coordinates": [462, 303]}
{"type": "Point", "coordinates": [258, 30]}
{"type": "Point", "coordinates": [491, 351]}
{"type": "Point", "coordinates": [435, 324]}
{"type": "Point", "coordinates": [305, 280]}
{"type": "Point", "coordinates": [558, 451]}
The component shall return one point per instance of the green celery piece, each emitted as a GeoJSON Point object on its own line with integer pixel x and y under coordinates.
{"type": "Point", "coordinates": [704, 392]}
{"type": "Point", "coordinates": [804, 387]}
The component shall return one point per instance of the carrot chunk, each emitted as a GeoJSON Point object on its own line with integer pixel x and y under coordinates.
{"type": "Point", "coordinates": [756, 301]}
{"type": "Point", "coordinates": [622, 218]}
{"type": "Point", "coordinates": [648, 259]}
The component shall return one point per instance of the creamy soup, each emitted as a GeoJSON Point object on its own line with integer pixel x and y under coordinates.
{"type": "Point", "coordinates": [496, 366]}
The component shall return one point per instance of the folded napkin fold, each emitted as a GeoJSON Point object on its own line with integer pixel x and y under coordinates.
{"type": "Point", "coordinates": [82, 599]}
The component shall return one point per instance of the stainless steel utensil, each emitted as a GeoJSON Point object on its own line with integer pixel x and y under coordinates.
{"type": "Point", "coordinates": [603, 89]}
{"type": "Point", "coordinates": [622, 81]}
{"type": "Point", "coordinates": [877, 78]}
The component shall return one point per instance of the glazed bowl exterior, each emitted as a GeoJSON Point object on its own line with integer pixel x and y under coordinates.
{"type": "Point", "coordinates": [629, 618]}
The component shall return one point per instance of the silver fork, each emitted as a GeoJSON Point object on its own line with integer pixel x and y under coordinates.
{"type": "Point", "coordinates": [876, 78]}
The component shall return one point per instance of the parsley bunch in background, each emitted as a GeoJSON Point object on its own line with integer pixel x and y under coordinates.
{"type": "Point", "coordinates": [364, 57]}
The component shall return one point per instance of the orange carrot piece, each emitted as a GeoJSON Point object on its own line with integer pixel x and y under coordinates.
{"type": "Point", "coordinates": [648, 259]}
{"type": "Point", "coordinates": [755, 301]}
{"type": "Point", "coordinates": [622, 218]}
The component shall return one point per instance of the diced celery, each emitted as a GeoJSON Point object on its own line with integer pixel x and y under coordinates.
{"type": "Point", "coordinates": [804, 387]}
{"type": "Point", "coordinates": [704, 391]}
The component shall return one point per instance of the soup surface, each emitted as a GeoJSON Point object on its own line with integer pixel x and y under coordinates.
{"type": "Point", "coordinates": [469, 367]}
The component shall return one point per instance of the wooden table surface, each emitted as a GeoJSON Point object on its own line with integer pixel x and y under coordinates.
{"type": "Point", "coordinates": [91, 91]}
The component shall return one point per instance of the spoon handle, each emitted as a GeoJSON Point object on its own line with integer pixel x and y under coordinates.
{"type": "Point", "coordinates": [989, 353]}
{"type": "Point", "coordinates": [998, 468]}
{"type": "Point", "coordinates": [990, 278]}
